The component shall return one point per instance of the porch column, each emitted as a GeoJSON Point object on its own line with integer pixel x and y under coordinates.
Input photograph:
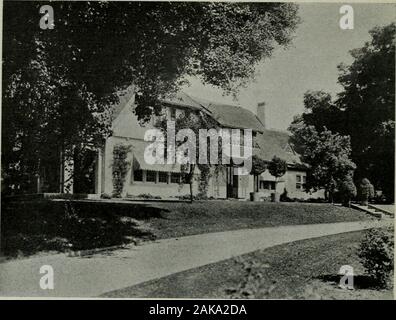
{"type": "Point", "coordinates": [98, 172]}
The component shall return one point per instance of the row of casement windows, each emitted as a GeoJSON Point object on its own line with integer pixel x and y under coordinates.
{"type": "Point", "coordinates": [267, 185]}
{"type": "Point", "coordinates": [156, 176]}
{"type": "Point", "coordinates": [301, 182]}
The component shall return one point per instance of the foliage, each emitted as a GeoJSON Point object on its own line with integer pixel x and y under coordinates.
{"type": "Point", "coordinates": [327, 154]}
{"type": "Point", "coordinates": [120, 167]}
{"type": "Point", "coordinates": [59, 85]}
{"type": "Point", "coordinates": [347, 189]}
{"type": "Point", "coordinates": [148, 196]}
{"type": "Point", "coordinates": [364, 110]}
{"type": "Point", "coordinates": [376, 254]}
{"type": "Point", "coordinates": [368, 99]}
{"type": "Point", "coordinates": [249, 287]}
{"type": "Point", "coordinates": [277, 167]}
{"type": "Point", "coordinates": [195, 122]}
{"type": "Point", "coordinates": [258, 165]}
{"type": "Point", "coordinates": [366, 190]}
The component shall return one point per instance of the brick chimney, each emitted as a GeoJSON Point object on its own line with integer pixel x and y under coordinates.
{"type": "Point", "coordinates": [261, 112]}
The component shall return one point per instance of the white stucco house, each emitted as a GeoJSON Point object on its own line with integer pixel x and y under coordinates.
{"type": "Point", "coordinates": [164, 180]}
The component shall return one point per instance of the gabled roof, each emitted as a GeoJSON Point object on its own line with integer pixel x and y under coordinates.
{"type": "Point", "coordinates": [182, 100]}
{"type": "Point", "coordinates": [124, 97]}
{"type": "Point", "coordinates": [276, 143]}
{"type": "Point", "coordinates": [231, 116]}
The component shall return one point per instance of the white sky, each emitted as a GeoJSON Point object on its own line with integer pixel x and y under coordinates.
{"type": "Point", "coordinates": [310, 63]}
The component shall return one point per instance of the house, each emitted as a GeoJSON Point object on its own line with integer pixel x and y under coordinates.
{"type": "Point", "coordinates": [94, 175]}
{"type": "Point", "coordinates": [164, 180]}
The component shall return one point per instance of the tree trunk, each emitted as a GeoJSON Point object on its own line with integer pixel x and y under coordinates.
{"type": "Point", "coordinates": [190, 179]}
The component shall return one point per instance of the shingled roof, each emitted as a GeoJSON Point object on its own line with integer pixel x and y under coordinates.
{"type": "Point", "coordinates": [231, 116]}
{"type": "Point", "coordinates": [276, 143]}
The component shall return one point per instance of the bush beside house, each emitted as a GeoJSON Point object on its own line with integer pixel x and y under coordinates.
{"type": "Point", "coordinates": [366, 191]}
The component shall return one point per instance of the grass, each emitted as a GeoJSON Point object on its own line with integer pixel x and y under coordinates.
{"type": "Point", "coordinates": [42, 227]}
{"type": "Point", "coordinates": [181, 219]}
{"type": "Point", "coordinates": [306, 269]}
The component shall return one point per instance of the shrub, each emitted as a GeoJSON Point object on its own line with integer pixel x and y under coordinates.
{"type": "Point", "coordinates": [258, 166]}
{"type": "Point", "coordinates": [376, 254]}
{"type": "Point", "coordinates": [277, 167]}
{"type": "Point", "coordinates": [366, 191]}
{"type": "Point", "coordinates": [347, 190]}
{"type": "Point", "coordinates": [148, 196]}
{"type": "Point", "coordinates": [120, 167]}
{"type": "Point", "coordinates": [105, 196]}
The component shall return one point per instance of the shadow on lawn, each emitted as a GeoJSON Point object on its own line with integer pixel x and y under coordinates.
{"type": "Point", "coordinates": [359, 281]}
{"type": "Point", "coordinates": [31, 227]}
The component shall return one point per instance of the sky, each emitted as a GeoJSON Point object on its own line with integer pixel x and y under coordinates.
{"type": "Point", "coordinates": [310, 63]}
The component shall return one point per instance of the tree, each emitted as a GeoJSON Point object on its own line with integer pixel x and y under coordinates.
{"type": "Point", "coordinates": [366, 191]}
{"type": "Point", "coordinates": [364, 110]}
{"type": "Point", "coordinates": [277, 167]}
{"type": "Point", "coordinates": [322, 112]}
{"type": "Point", "coordinates": [59, 85]}
{"type": "Point", "coordinates": [258, 167]}
{"type": "Point", "coordinates": [368, 101]}
{"type": "Point", "coordinates": [347, 190]}
{"type": "Point", "coordinates": [327, 154]}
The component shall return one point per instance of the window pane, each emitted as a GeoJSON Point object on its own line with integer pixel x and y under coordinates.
{"type": "Point", "coordinates": [173, 113]}
{"type": "Point", "coordinates": [151, 176]}
{"type": "Point", "coordinates": [304, 179]}
{"type": "Point", "coordinates": [175, 177]}
{"type": "Point", "coordinates": [138, 175]}
{"type": "Point", "coordinates": [298, 178]}
{"type": "Point", "coordinates": [163, 177]}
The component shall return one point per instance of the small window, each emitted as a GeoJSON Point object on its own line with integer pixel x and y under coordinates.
{"type": "Point", "coordinates": [175, 177]}
{"type": "Point", "coordinates": [138, 175]}
{"type": "Point", "coordinates": [151, 176]}
{"type": "Point", "coordinates": [267, 185]}
{"type": "Point", "coordinates": [172, 113]}
{"type": "Point", "coordinates": [300, 182]}
{"type": "Point", "coordinates": [163, 177]}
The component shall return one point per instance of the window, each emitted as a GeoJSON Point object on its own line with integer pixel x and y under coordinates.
{"type": "Point", "coordinates": [138, 175]}
{"type": "Point", "coordinates": [172, 112]}
{"type": "Point", "coordinates": [267, 185]}
{"type": "Point", "coordinates": [175, 177]}
{"type": "Point", "coordinates": [151, 176]}
{"type": "Point", "coordinates": [163, 177]}
{"type": "Point", "coordinates": [300, 182]}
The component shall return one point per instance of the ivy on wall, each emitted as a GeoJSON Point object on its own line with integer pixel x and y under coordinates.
{"type": "Point", "coordinates": [120, 167]}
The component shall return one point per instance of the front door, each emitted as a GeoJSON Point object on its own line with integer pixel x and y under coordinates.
{"type": "Point", "coordinates": [232, 183]}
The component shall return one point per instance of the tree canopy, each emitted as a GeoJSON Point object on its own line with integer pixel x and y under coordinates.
{"type": "Point", "coordinates": [327, 154]}
{"type": "Point", "coordinates": [59, 84]}
{"type": "Point", "coordinates": [363, 110]}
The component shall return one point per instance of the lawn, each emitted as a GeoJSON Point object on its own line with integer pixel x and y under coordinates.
{"type": "Point", "coordinates": [42, 227]}
{"type": "Point", "coordinates": [181, 219]}
{"type": "Point", "coordinates": [306, 269]}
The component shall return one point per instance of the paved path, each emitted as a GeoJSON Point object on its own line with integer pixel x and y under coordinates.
{"type": "Point", "coordinates": [100, 273]}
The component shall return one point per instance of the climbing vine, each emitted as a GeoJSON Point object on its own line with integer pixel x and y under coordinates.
{"type": "Point", "coordinates": [120, 168]}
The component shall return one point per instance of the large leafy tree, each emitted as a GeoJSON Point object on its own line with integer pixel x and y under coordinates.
{"type": "Point", "coordinates": [368, 99]}
{"type": "Point", "coordinates": [59, 84]}
{"type": "Point", "coordinates": [327, 154]}
{"type": "Point", "coordinates": [364, 110]}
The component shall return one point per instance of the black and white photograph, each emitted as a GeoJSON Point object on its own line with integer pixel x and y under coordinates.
{"type": "Point", "coordinates": [229, 150]}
